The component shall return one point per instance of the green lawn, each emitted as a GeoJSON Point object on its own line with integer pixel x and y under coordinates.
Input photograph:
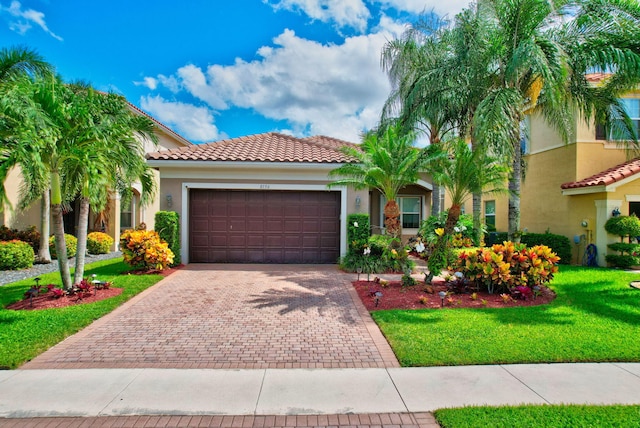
{"type": "Point", "coordinates": [25, 334]}
{"type": "Point", "coordinates": [540, 417]}
{"type": "Point", "coordinates": [595, 317]}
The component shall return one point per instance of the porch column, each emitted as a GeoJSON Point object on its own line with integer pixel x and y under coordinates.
{"type": "Point", "coordinates": [602, 238]}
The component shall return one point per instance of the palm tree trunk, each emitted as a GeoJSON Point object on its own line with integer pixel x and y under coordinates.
{"type": "Point", "coordinates": [515, 182]}
{"type": "Point", "coordinates": [58, 231]}
{"type": "Point", "coordinates": [44, 255]}
{"type": "Point", "coordinates": [392, 219]}
{"type": "Point", "coordinates": [83, 224]}
{"type": "Point", "coordinates": [435, 199]}
{"type": "Point", "coordinates": [478, 235]}
{"type": "Point", "coordinates": [452, 219]}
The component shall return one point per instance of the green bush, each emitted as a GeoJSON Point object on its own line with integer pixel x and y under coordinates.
{"type": "Point", "coordinates": [622, 260]}
{"type": "Point", "coordinates": [71, 243]}
{"type": "Point", "coordinates": [29, 235]}
{"type": "Point", "coordinates": [168, 227]}
{"type": "Point", "coordinates": [15, 255]}
{"type": "Point", "coordinates": [381, 243]}
{"type": "Point", "coordinates": [559, 244]}
{"type": "Point", "coordinates": [623, 226]}
{"type": "Point", "coordinates": [99, 243]}
{"type": "Point", "coordinates": [358, 232]}
{"type": "Point", "coordinates": [463, 229]}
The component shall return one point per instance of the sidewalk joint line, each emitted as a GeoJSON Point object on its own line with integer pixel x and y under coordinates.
{"type": "Point", "coordinates": [264, 375]}
{"type": "Point", "coordinates": [386, 369]}
{"type": "Point", "coordinates": [124, 388]}
{"type": "Point", "coordinates": [527, 386]}
{"type": "Point", "coordinates": [622, 368]}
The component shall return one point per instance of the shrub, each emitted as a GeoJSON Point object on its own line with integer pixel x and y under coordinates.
{"type": "Point", "coordinates": [99, 243]}
{"type": "Point", "coordinates": [503, 267]}
{"type": "Point", "coordinates": [381, 243]}
{"type": "Point", "coordinates": [71, 243]}
{"type": "Point", "coordinates": [30, 235]}
{"type": "Point", "coordinates": [387, 255]}
{"type": "Point", "coordinates": [358, 232]}
{"type": "Point", "coordinates": [463, 230]}
{"type": "Point", "coordinates": [145, 250]}
{"type": "Point", "coordinates": [625, 227]}
{"type": "Point", "coordinates": [15, 255]}
{"type": "Point", "coordinates": [559, 244]}
{"type": "Point", "coordinates": [168, 227]}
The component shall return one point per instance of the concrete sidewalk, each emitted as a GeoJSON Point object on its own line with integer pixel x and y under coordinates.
{"type": "Point", "coordinates": [120, 392]}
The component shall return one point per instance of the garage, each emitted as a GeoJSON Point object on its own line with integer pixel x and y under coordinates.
{"type": "Point", "coordinates": [253, 226]}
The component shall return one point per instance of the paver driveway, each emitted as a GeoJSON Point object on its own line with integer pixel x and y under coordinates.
{"type": "Point", "coordinates": [233, 316]}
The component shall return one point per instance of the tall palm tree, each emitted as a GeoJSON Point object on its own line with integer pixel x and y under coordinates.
{"type": "Point", "coordinates": [22, 127]}
{"type": "Point", "coordinates": [113, 162]}
{"type": "Point", "coordinates": [387, 161]}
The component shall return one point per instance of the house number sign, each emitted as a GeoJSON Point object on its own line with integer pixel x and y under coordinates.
{"type": "Point", "coordinates": [264, 186]}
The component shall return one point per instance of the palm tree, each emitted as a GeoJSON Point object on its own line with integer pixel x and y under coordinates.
{"type": "Point", "coordinates": [387, 161]}
{"type": "Point", "coordinates": [113, 162]}
{"type": "Point", "coordinates": [463, 172]}
{"type": "Point", "coordinates": [22, 127]}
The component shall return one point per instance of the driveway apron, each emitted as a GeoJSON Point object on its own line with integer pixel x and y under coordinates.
{"type": "Point", "coordinates": [233, 316]}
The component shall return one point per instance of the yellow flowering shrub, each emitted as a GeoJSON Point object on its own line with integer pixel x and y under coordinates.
{"type": "Point", "coordinates": [144, 249]}
{"type": "Point", "coordinates": [99, 243]}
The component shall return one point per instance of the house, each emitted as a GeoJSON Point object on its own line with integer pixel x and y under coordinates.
{"type": "Point", "coordinates": [264, 199]}
{"type": "Point", "coordinates": [572, 189]}
{"type": "Point", "coordinates": [115, 218]}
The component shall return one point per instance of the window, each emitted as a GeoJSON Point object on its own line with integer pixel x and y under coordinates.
{"type": "Point", "coordinates": [410, 210]}
{"type": "Point", "coordinates": [442, 202]}
{"type": "Point", "coordinates": [127, 212]}
{"type": "Point", "coordinates": [634, 208]}
{"type": "Point", "coordinates": [618, 130]}
{"type": "Point", "coordinates": [490, 215]}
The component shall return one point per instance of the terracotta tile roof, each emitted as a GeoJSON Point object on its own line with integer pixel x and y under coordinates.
{"type": "Point", "coordinates": [268, 147]}
{"type": "Point", "coordinates": [610, 176]}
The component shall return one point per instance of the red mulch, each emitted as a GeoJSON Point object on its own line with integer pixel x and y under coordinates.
{"type": "Point", "coordinates": [47, 300]}
{"type": "Point", "coordinates": [394, 296]}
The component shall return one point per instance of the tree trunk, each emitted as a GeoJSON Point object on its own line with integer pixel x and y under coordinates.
{"type": "Point", "coordinates": [44, 255]}
{"type": "Point", "coordinates": [478, 234]}
{"type": "Point", "coordinates": [452, 219]}
{"type": "Point", "coordinates": [83, 225]}
{"type": "Point", "coordinates": [58, 231]}
{"type": "Point", "coordinates": [435, 199]}
{"type": "Point", "coordinates": [515, 182]}
{"type": "Point", "coordinates": [392, 219]}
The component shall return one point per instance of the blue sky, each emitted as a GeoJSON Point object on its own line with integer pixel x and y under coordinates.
{"type": "Point", "coordinates": [212, 69]}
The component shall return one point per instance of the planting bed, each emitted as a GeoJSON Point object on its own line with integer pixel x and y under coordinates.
{"type": "Point", "coordinates": [395, 296]}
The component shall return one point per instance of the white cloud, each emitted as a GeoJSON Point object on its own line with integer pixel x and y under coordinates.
{"type": "Point", "coordinates": [193, 122]}
{"type": "Point", "coordinates": [344, 13]}
{"type": "Point", "coordinates": [23, 19]}
{"type": "Point", "coordinates": [441, 7]}
{"type": "Point", "coordinates": [149, 82]}
{"type": "Point", "coordinates": [337, 90]}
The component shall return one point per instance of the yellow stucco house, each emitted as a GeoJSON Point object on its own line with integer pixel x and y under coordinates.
{"type": "Point", "coordinates": [572, 189]}
{"type": "Point", "coordinates": [116, 217]}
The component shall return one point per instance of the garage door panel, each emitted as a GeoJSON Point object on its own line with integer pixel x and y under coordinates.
{"type": "Point", "coordinates": [264, 226]}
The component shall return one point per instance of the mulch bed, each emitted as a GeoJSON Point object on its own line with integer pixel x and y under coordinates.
{"type": "Point", "coordinates": [47, 300]}
{"type": "Point", "coordinates": [395, 296]}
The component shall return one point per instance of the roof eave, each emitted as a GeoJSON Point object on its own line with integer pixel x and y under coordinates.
{"type": "Point", "coordinates": [227, 164]}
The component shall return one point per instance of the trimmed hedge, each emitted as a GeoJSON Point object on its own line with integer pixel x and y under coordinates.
{"type": "Point", "coordinates": [358, 232]}
{"type": "Point", "coordinates": [29, 235]}
{"type": "Point", "coordinates": [71, 243]}
{"type": "Point", "coordinates": [99, 243]}
{"type": "Point", "coordinates": [168, 227]}
{"type": "Point", "coordinates": [15, 255]}
{"type": "Point", "coordinates": [559, 244]}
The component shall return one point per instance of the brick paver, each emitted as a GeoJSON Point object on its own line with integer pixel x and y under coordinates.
{"type": "Point", "coordinates": [233, 316]}
{"type": "Point", "coordinates": [387, 420]}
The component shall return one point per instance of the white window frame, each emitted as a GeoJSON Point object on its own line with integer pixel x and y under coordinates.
{"type": "Point", "coordinates": [131, 209]}
{"type": "Point", "coordinates": [490, 214]}
{"type": "Point", "coordinates": [383, 202]}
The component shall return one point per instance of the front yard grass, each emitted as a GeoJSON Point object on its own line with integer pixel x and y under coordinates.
{"type": "Point", "coordinates": [540, 416]}
{"type": "Point", "coordinates": [595, 318]}
{"type": "Point", "coordinates": [26, 334]}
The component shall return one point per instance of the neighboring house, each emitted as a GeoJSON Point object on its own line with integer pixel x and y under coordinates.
{"type": "Point", "coordinates": [572, 189]}
{"type": "Point", "coordinates": [112, 220]}
{"type": "Point", "coordinates": [264, 199]}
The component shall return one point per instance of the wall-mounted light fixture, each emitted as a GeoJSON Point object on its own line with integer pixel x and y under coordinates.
{"type": "Point", "coordinates": [169, 200]}
{"type": "Point", "coordinates": [358, 201]}
{"type": "Point", "coordinates": [615, 212]}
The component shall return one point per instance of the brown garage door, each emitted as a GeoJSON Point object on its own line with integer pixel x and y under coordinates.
{"type": "Point", "coordinates": [227, 226]}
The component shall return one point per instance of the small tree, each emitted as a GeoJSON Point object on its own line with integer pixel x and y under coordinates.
{"type": "Point", "coordinates": [625, 227]}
